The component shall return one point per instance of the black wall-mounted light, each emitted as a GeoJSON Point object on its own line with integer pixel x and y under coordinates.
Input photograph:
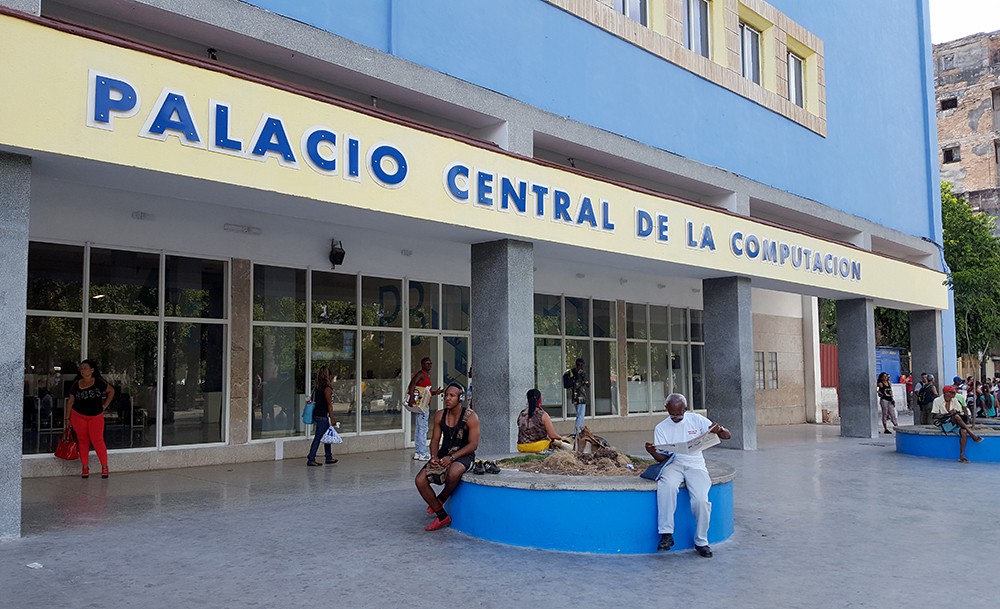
{"type": "Point", "coordinates": [337, 253]}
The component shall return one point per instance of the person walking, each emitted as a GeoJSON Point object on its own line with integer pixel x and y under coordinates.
{"type": "Point", "coordinates": [886, 401]}
{"type": "Point", "coordinates": [322, 397]}
{"type": "Point", "coordinates": [89, 397]}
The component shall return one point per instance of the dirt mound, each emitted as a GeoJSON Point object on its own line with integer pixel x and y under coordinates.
{"type": "Point", "coordinates": [603, 462]}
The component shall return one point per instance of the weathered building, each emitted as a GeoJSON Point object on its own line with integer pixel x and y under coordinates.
{"type": "Point", "coordinates": [967, 87]}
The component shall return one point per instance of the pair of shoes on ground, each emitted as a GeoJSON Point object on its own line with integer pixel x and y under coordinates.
{"type": "Point", "coordinates": [667, 542]}
{"type": "Point", "coordinates": [485, 467]}
{"type": "Point", "coordinates": [438, 524]}
{"type": "Point", "coordinates": [418, 457]}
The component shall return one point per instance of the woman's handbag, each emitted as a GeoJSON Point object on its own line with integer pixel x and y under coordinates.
{"type": "Point", "coordinates": [307, 412]}
{"type": "Point", "coordinates": [67, 448]}
{"type": "Point", "coordinates": [331, 437]}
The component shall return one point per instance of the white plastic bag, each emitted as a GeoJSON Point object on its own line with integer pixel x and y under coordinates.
{"type": "Point", "coordinates": [331, 437]}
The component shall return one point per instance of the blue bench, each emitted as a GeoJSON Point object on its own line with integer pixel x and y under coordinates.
{"type": "Point", "coordinates": [929, 441]}
{"type": "Point", "coordinates": [594, 514]}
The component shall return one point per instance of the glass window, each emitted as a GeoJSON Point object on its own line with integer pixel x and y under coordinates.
{"type": "Point", "coordinates": [455, 361]}
{"type": "Point", "coordinates": [193, 383]}
{"type": "Point", "coordinates": [796, 82]}
{"type": "Point", "coordinates": [577, 349]}
{"type": "Point", "coordinates": [635, 321]}
{"type": "Point", "coordinates": [758, 369]}
{"type": "Point", "coordinates": [638, 376]}
{"type": "Point", "coordinates": [55, 277]}
{"type": "Point", "coordinates": [279, 381]}
{"type": "Point", "coordinates": [659, 323]}
{"type": "Point", "coordinates": [126, 354]}
{"type": "Point", "coordinates": [335, 349]}
{"type": "Point", "coordinates": [124, 282]}
{"type": "Point", "coordinates": [605, 319]}
{"type": "Point", "coordinates": [697, 400]}
{"type": "Point", "coordinates": [425, 310]}
{"type": "Point", "coordinates": [696, 26]}
{"type": "Point", "coordinates": [548, 314]}
{"type": "Point", "coordinates": [679, 368]}
{"type": "Point", "coordinates": [381, 302]}
{"type": "Point", "coordinates": [660, 374]}
{"type": "Point", "coordinates": [577, 316]}
{"type": "Point", "coordinates": [548, 374]}
{"type": "Point", "coordinates": [381, 360]}
{"type": "Point", "coordinates": [605, 381]}
{"type": "Point", "coordinates": [678, 324]}
{"type": "Point", "coordinates": [772, 370]}
{"type": "Point", "coordinates": [195, 288]}
{"type": "Point", "coordinates": [51, 354]}
{"type": "Point", "coordinates": [455, 307]}
{"type": "Point", "coordinates": [633, 9]}
{"type": "Point", "coordinates": [750, 52]}
{"type": "Point", "coordinates": [279, 294]}
{"type": "Point", "coordinates": [334, 299]}
{"type": "Point", "coordinates": [697, 329]}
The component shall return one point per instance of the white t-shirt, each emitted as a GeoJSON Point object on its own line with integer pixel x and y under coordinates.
{"type": "Point", "coordinates": [690, 427]}
{"type": "Point", "coordinates": [957, 402]}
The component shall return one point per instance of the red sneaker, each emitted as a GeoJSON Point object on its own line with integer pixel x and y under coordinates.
{"type": "Point", "coordinates": [438, 524]}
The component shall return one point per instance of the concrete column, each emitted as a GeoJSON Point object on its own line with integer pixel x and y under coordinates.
{"type": "Point", "coordinates": [503, 345]}
{"type": "Point", "coordinates": [240, 384]}
{"type": "Point", "coordinates": [729, 378]}
{"type": "Point", "coordinates": [810, 359]}
{"type": "Point", "coordinates": [926, 346]}
{"type": "Point", "coordinates": [856, 366]}
{"type": "Point", "coordinates": [15, 198]}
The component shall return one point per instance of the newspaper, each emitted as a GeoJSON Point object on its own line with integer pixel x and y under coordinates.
{"type": "Point", "coordinates": [691, 447]}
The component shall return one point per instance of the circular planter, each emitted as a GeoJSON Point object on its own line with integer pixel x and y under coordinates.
{"type": "Point", "coordinates": [596, 514]}
{"type": "Point", "coordinates": [928, 441]}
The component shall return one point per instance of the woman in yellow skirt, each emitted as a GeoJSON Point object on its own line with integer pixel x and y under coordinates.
{"type": "Point", "coordinates": [534, 426]}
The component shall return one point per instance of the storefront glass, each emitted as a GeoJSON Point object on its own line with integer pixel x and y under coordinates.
{"type": "Point", "coordinates": [381, 385]}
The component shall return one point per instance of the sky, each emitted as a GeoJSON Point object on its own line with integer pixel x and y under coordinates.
{"type": "Point", "coordinates": [953, 19]}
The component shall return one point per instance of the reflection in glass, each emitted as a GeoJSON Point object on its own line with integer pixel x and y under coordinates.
{"type": "Point", "coordinates": [604, 319]}
{"type": "Point", "coordinates": [455, 307]}
{"type": "Point", "coordinates": [124, 282]}
{"type": "Point", "coordinates": [334, 299]}
{"type": "Point", "coordinates": [577, 316]}
{"type": "Point", "coordinates": [126, 352]}
{"type": "Point", "coordinates": [455, 360]}
{"type": "Point", "coordinates": [195, 288]}
{"type": "Point", "coordinates": [336, 349]}
{"type": "Point", "coordinates": [605, 382]}
{"type": "Point", "coordinates": [279, 294]}
{"type": "Point", "coordinates": [638, 376]}
{"type": "Point", "coordinates": [697, 400]}
{"type": "Point", "coordinates": [548, 315]}
{"type": "Point", "coordinates": [659, 369]}
{"type": "Point", "coordinates": [678, 324]}
{"type": "Point", "coordinates": [635, 321]}
{"type": "Point", "coordinates": [55, 277]}
{"type": "Point", "coordinates": [548, 374]}
{"type": "Point", "coordinates": [659, 324]}
{"type": "Point", "coordinates": [193, 378]}
{"type": "Point", "coordinates": [279, 381]}
{"type": "Point", "coordinates": [697, 329]}
{"type": "Point", "coordinates": [381, 361]}
{"type": "Point", "coordinates": [381, 302]}
{"type": "Point", "coordinates": [421, 347]}
{"type": "Point", "coordinates": [425, 311]}
{"type": "Point", "coordinates": [51, 354]}
{"type": "Point", "coordinates": [576, 349]}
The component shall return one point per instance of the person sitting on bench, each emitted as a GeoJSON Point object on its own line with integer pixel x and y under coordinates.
{"type": "Point", "coordinates": [950, 412]}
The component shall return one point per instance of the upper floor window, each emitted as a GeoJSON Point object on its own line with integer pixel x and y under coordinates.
{"type": "Point", "coordinates": [750, 52]}
{"type": "Point", "coordinates": [949, 103]}
{"type": "Point", "coordinates": [952, 154]}
{"type": "Point", "coordinates": [796, 80]}
{"type": "Point", "coordinates": [696, 26]}
{"type": "Point", "coordinates": [633, 9]}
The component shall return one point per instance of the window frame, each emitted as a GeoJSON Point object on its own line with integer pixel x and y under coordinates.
{"type": "Point", "coordinates": [698, 40]}
{"type": "Point", "coordinates": [796, 86]}
{"type": "Point", "coordinates": [751, 40]}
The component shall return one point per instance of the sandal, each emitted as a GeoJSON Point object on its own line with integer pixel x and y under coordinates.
{"type": "Point", "coordinates": [963, 460]}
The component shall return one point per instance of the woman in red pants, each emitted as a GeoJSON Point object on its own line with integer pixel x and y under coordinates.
{"type": "Point", "coordinates": [89, 397]}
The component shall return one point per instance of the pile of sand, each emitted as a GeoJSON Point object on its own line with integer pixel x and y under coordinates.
{"type": "Point", "coordinates": [603, 462]}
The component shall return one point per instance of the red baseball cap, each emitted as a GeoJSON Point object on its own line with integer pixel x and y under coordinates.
{"type": "Point", "coordinates": [948, 389]}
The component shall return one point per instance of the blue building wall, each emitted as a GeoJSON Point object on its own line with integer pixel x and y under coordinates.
{"type": "Point", "coordinates": [874, 162]}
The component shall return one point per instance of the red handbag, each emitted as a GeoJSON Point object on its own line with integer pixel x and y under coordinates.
{"type": "Point", "coordinates": [67, 448]}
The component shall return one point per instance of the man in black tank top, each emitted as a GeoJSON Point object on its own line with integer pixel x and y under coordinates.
{"type": "Point", "coordinates": [453, 449]}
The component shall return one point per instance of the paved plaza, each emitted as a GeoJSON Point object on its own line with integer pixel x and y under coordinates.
{"type": "Point", "coordinates": [821, 521]}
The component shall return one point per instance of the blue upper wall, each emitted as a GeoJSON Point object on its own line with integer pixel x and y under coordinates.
{"type": "Point", "coordinates": [878, 160]}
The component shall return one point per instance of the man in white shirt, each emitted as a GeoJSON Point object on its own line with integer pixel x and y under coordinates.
{"type": "Point", "coordinates": [682, 426]}
{"type": "Point", "coordinates": [951, 408]}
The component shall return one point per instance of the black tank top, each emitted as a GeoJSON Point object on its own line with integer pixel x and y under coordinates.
{"type": "Point", "coordinates": [453, 438]}
{"type": "Point", "coordinates": [321, 407]}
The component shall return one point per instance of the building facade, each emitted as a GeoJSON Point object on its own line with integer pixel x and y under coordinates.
{"type": "Point", "coordinates": [967, 88]}
{"type": "Point", "coordinates": [660, 187]}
